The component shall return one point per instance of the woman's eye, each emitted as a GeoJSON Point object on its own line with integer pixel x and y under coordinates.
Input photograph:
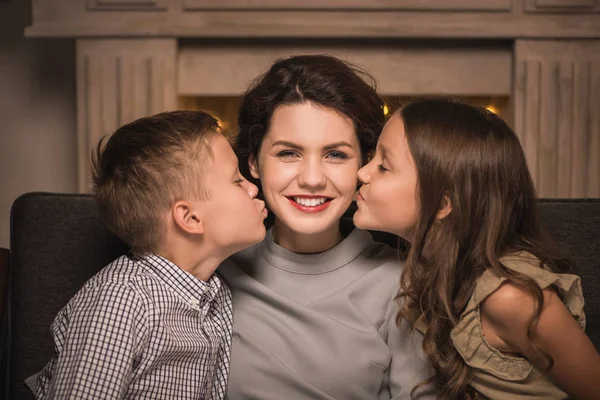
{"type": "Point", "coordinates": [287, 154]}
{"type": "Point", "coordinates": [238, 181]}
{"type": "Point", "coordinates": [338, 155]}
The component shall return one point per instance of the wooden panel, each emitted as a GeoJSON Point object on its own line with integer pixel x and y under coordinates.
{"type": "Point", "coordinates": [462, 5]}
{"type": "Point", "coordinates": [564, 3]}
{"type": "Point", "coordinates": [430, 19]}
{"type": "Point", "coordinates": [564, 6]}
{"type": "Point", "coordinates": [565, 80]}
{"type": "Point", "coordinates": [115, 5]}
{"type": "Point", "coordinates": [527, 110]}
{"type": "Point", "coordinates": [401, 69]}
{"type": "Point", "coordinates": [557, 115]}
{"type": "Point", "coordinates": [117, 82]}
{"type": "Point", "coordinates": [581, 133]}
{"type": "Point", "coordinates": [593, 159]}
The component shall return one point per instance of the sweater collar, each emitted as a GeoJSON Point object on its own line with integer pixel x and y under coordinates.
{"type": "Point", "coordinates": [317, 263]}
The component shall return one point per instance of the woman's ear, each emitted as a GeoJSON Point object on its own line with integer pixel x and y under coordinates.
{"type": "Point", "coordinates": [253, 167]}
{"type": "Point", "coordinates": [187, 218]}
{"type": "Point", "coordinates": [445, 207]}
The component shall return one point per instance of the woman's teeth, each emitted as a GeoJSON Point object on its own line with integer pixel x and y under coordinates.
{"type": "Point", "coordinates": [310, 202]}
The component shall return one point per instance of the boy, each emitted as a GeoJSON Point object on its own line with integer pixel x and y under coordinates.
{"type": "Point", "coordinates": [157, 325]}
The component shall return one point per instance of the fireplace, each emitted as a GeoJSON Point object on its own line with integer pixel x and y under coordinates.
{"type": "Point", "coordinates": [536, 63]}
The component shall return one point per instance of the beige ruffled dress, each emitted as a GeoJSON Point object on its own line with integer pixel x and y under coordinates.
{"type": "Point", "coordinates": [501, 376]}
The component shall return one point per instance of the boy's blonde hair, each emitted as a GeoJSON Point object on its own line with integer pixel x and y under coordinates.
{"type": "Point", "coordinates": [145, 167]}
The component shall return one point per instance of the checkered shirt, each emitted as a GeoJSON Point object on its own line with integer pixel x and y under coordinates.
{"type": "Point", "coordinates": [142, 328]}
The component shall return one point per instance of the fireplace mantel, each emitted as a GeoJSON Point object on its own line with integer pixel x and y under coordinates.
{"type": "Point", "coordinates": [136, 57]}
{"type": "Point", "coordinates": [318, 18]}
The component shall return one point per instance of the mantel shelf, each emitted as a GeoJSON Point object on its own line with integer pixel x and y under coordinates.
{"type": "Point", "coordinates": [307, 24]}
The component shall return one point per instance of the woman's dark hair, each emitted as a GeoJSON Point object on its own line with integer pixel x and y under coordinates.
{"type": "Point", "coordinates": [470, 156]}
{"type": "Point", "coordinates": [320, 79]}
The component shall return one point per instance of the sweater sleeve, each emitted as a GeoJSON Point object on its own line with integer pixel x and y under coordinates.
{"type": "Point", "coordinates": [408, 366]}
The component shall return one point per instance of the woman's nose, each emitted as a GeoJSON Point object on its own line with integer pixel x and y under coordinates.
{"type": "Point", "coordinates": [312, 174]}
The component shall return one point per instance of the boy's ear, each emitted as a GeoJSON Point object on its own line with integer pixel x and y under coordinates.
{"type": "Point", "coordinates": [253, 167]}
{"type": "Point", "coordinates": [188, 218]}
{"type": "Point", "coordinates": [445, 207]}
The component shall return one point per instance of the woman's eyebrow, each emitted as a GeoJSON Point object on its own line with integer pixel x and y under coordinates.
{"type": "Point", "coordinates": [287, 144]}
{"type": "Point", "coordinates": [295, 146]}
{"type": "Point", "coordinates": [336, 145]}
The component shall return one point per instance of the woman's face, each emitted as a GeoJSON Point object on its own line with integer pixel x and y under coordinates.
{"type": "Point", "coordinates": [307, 165]}
{"type": "Point", "coordinates": [387, 200]}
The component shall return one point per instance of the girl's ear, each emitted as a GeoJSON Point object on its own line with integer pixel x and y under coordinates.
{"type": "Point", "coordinates": [253, 166]}
{"type": "Point", "coordinates": [187, 218]}
{"type": "Point", "coordinates": [445, 207]}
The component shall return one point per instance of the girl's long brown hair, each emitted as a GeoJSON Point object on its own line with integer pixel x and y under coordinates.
{"type": "Point", "coordinates": [472, 157]}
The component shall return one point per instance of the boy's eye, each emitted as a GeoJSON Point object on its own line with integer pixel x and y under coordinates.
{"type": "Point", "coordinates": [287, 154]}
{"type": "Point", "coordinates": [337, 155]}
{"type": "Point", "coordinates": [381, 168]}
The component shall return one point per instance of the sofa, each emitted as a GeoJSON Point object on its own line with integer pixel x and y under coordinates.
{"type": "Point", "coordinates": [57, 243]}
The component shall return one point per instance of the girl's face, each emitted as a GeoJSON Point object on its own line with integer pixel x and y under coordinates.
{"type": "Point", "coordinates": [307, 165]}
{"type": "Point", "coordinates": [387, 200]}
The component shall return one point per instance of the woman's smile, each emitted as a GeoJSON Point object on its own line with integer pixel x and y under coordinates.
{"type": "Point", "coordinates": [310, 204]}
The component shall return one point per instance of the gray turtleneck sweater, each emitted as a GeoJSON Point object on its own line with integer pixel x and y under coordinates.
{"type": "Point", "coordinates": [320, 326]}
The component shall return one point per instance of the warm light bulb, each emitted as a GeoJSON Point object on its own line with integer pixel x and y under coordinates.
{"type": "Point", "coordinates": [492, 109]}
{"type": "Point", "coordinates": [386, 109]}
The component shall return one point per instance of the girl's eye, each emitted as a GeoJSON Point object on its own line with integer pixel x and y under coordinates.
{"type": "Point", "coordinates": [381, 168]}
{"type": "Point", "coordinates": [238, 181]}
{"type": "Point", "coordinates": [337, 155]}
{"type": "Point", "coordinates": [287, 154]}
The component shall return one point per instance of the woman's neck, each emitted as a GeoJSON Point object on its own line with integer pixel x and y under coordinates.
{"type": "Point", "coordinates": [306, 243]}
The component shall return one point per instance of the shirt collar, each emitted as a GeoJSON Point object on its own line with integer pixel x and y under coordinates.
{"type": "Point", "coordinates": [186, 285]}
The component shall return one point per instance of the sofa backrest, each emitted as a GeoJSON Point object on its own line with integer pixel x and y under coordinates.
{"type": "Point", "coordinates": [575, 225]}
{"type": "Point", "coordinates": [57, 243]}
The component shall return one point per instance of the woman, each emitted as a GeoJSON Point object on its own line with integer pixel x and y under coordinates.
{"type": "Point", "coordinates": [314, 306]}
{"type": "Point", "coordinates": [503, 317]}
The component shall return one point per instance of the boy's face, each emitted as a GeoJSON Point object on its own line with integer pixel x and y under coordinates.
{"type": "Point", "coordinates": [232, 215]}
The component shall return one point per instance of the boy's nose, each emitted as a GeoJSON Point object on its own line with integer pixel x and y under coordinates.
{"type": "Point", "coordinates": [252, 189]}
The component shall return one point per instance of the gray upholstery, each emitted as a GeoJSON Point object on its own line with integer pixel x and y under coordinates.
{"type": "Point", "coordinates": [575, 225]}
{"type": "Point", "coordinates": [57, 243]}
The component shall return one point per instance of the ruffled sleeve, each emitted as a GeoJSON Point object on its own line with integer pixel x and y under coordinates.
{"type": "Point", "coordinates": [468, 337]}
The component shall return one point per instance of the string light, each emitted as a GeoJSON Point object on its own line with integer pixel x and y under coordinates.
{"type": "Point", "coordinates": [492, 109]}
{"type": "Point", "coordinates": [386, 109]}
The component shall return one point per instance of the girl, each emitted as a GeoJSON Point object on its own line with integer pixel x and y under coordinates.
{"type": "Point", "coordinates": [314, 308]}
{"type": "Point", "coordinates": [502, 316]}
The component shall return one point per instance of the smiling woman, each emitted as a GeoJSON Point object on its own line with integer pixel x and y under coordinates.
{"type": "Point", "coordinates": [307, 165]}
{"type": "Point", "coordinates": [314, 305]}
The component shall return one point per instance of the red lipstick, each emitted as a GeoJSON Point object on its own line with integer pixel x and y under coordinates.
{"type": "Point", "coordinates": [310, 209]}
